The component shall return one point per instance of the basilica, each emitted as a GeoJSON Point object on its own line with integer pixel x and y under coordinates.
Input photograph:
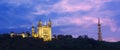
{"type": "Point", "coordinates": [43, 31]}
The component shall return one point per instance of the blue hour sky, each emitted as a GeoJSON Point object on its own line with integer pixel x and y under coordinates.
{"type": "Point", "coordinates": [69, 17]}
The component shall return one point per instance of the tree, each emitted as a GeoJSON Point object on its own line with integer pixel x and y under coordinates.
{"type": "Point", "coordinates": [68, 37]}
{"type": "Point", "coordinates": [28, 33]}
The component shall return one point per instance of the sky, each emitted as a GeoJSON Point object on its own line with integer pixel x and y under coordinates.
{"type": "Point", "coordinates": [69, 17]}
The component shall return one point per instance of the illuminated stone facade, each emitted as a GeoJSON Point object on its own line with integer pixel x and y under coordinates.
{"type": "Point", "coordinates": [43, 31]}
{"type": "Point", "coordinates": [23, 35]}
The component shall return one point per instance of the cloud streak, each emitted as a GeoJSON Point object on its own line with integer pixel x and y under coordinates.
{"type": "Point", "coordinates": [84, 21]}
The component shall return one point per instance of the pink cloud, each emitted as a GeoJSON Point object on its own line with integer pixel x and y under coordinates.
{"type": "Point", "coordinates": [85, 22]}
{"type": "Point", "coordinates": [111, 23]}
{"type": "Point", "coordinates": [66, 6]}
{"type": "Point", "coordinates": [78, 5]}
{"type": "Point", "coordinates": [111, 39]}
{"type": "Point", "coordinates": [40, 9]}
{"type": "Point", "coordinates": [62, 6]}
{"type": "Point", "coordinates": [70, 6]}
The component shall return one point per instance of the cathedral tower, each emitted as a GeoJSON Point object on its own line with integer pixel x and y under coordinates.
{"type": "Point", "coordinates": [39, 29]}
{"type": "Point", "coordinates": [99, 30]}
{"type": "Point", "coordinates": [33, 30]}
{"type": "Point", "coordinates": [49, 23]}
{"type": "Point", "coordinates": [50, 29]}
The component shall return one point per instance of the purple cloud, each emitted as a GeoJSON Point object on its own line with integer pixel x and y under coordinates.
{"type": "Point", "coordinates": [84, 21]}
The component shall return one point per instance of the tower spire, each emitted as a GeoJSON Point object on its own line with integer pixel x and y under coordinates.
{"type": "Point", "coordinates": [99, 30]}
{"type": "Point", "coordinates": [49, 23]}
{"type": "Point", "coordinates": [39, 23]}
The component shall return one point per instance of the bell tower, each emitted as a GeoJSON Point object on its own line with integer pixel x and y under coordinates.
{"type": "Point", "coordinates": [44, 31]}
{"type": "Point", "coordinates": [33, 30]}
{"type": "Point", "coordinates": [39, 29]}
{"type": "Point", "coordinates": [49, 23]}
{"type": "Point", "coordinates": [49, 30]}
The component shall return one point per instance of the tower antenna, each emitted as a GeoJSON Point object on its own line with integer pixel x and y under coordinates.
{"type": "Point", "coordinates": [99, 30]}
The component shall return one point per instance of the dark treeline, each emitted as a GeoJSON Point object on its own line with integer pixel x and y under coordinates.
{"type": "Point", "coordinates": [60, 42]}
